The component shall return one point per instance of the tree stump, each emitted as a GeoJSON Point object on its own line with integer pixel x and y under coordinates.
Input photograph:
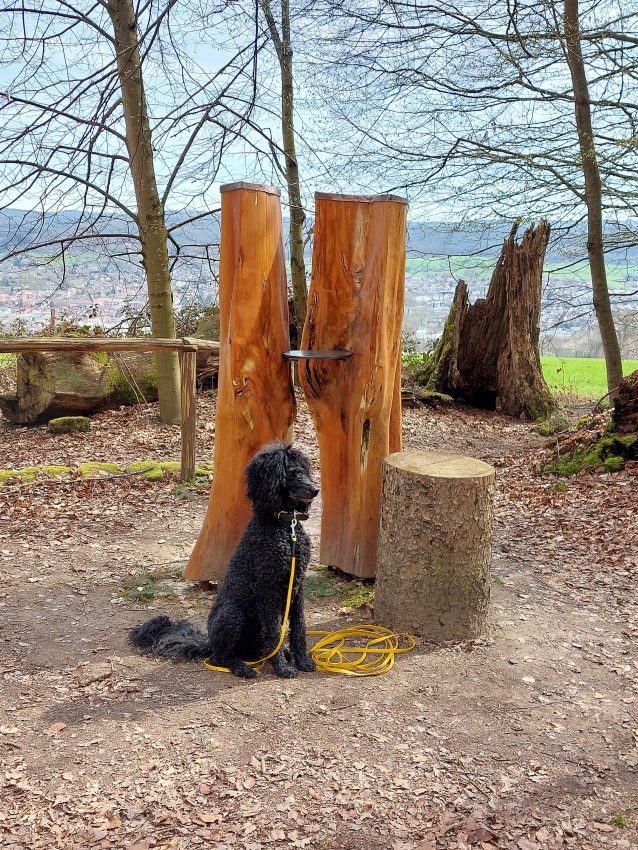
{"type": "Point", "coordinates": [434, 551]}
{"type": "Point", "coordinates": [355, 303]}
{"type": "Point", "coordinates": [488, 353]}
{"type": "Point", "coordinates": [255, 397]}
{"type": "Point", "coordinates": [52, 384]}
{"type": "Point", "coordinates": [625, 416]}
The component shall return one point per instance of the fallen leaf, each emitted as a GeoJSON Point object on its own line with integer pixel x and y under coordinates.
{"type": "Point", "coordinates": [211, 818]}
{"type": "Point", "coordinates": [55, 729]}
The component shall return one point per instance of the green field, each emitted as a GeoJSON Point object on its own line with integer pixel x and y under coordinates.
{"type": "Point", "coordinates": [579, 376]}
{"type": "Point", "coordinates": [620, 277]}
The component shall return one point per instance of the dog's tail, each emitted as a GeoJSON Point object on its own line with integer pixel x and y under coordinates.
{"type": "Point", "coordinates": [181, 641]}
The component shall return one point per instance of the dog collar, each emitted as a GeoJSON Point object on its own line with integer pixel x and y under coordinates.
{"type": "Point", "coordinates": [288, 516]}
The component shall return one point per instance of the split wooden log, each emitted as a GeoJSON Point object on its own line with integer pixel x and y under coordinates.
{"type": "Point", "coordinates": [488, 353]}
{"type": "Point", "coordinates": [255, 397]}
{"type": "Point", "coordinates": [355, 303]}
{"type": "Point", "coordinates": [435, 541]}
{"type": "Point", "coordinates": [53, 383]}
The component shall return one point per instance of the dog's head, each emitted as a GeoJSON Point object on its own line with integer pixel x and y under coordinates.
{"type": "Point", "coordinates": [279, 479]}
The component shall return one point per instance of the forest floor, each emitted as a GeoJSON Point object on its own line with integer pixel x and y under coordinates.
{"type": "Point", "coordinates": [525, 739]}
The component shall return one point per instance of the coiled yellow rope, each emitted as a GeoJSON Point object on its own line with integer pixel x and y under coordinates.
{"type": "Point", "coordinates": [331, 653]}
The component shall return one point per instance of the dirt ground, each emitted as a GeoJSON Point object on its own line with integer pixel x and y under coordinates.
{"type": "Point", "coordinates": [525, 739]}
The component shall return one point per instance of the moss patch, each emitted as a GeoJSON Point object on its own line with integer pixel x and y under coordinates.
{"type": "Point", "coordinates": [609, 452]}
{"type": "Point", "coordinates": [139, 465]}
{"type": "Point", "coordinates": [56, 470]}
{"type": "Point", "coordinates": [69, 425]}
{"type": "Point", "coordinates": [95, 467]}
{"type": "Point", "coordinates": [27, 473]}
{"type": "Point", "coordinates": [358, 596]}
{"type": "Point", "coordinates": [433, 399]}
{"type": "Point", "coordinates": [172, 466]}
{"type": "Point", "coordinates": [154, 471]}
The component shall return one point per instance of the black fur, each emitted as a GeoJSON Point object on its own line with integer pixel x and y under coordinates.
{"type": "Point", "coordinates": [246, 618]}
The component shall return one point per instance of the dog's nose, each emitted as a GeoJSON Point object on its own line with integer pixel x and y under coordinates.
{"type": "Point", "coordinates": [314, 491]}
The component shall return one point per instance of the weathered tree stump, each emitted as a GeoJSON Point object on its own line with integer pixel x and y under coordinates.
{"type": "Point", "coordinates": [52, 384]}
{"type": "Point", "coordinates": [255, 398]}
{"type": "Point", "coordinates": [355, 303]}
{"type": "Point", "coordinates": [434, 551]}
{"type": "Point", "coordinates": [625, 416]}
{"type": "Point", "coordinates": [488, 353]}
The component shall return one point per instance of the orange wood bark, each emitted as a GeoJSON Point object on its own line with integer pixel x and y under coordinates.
{"type": "Point", "coordinates": [355, 303]}
{"type": "Point", "coordinates": [255, 398]}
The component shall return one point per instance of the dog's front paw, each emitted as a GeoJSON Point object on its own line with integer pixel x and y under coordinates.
{"type": "Point", "coordinates": [239, 668]}
{"type": "Point", "coordinates": [281, 668]}
{"type": "Point", "coordinates": [305, 664]}
{"type": "Point", "coordinates": [286, 672]}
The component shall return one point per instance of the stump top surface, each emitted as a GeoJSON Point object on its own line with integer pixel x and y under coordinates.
{"type": "Point", "coordinates": [257, 187]}
{"type": "Point", "coordinates": [364, 199]}
{"type": "Point", "coordinates": [440, 465]}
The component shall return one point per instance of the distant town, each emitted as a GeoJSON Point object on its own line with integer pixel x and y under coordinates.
{"type": "Point", "coordinates": [100, 291]}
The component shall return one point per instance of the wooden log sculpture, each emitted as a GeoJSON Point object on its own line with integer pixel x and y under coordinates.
{"type": "Point", "coordinates": [355, 303]}
{"type": "Point", "coordinates": [255, 397]}
{"type": "Point", "coordinates": [435, 540]}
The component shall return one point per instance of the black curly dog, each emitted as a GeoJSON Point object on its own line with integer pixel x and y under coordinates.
{"type": "Point", "coordinates": [246, 619]}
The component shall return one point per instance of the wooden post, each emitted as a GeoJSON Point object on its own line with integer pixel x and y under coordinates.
{"type": "Point", "coordinates": [355, 303]}
{"type": "Point", "coordinates": [255, 398]}
{"type": "Point", "coordinates": [435, 544]}
{"type": "Point", "coordinates": [188, 367]}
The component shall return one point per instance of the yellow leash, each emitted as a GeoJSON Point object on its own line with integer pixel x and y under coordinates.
{"type": "Point", "coordinates": [330, 652]}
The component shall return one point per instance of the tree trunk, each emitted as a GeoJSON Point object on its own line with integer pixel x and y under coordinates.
{"type": "Point", "coordinates": [488, 353]}
{"type": "Point", "coordinates": [150, 210]}
{"type": "Point", "coordinates": [435, 541]}
{"type": "Point", "coordinates": [593, 198]}
{"type": "Point", "coordinates": [283, 48]}
{"type": "Point", "coordinates": [355, 304]}
{"type": "Point", "coordinates": [255, 398]}
{"type": "Point", "coordinates": [51, 384]}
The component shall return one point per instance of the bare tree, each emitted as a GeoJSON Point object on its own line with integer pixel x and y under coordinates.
{"type": "Point", "coordinates": [593, 194]}
{"type": "Point", "coordinates": [282, 43]}
{"type": "Point", "coordinates": [480, 110]}
{"type": "Point", "coordinates": [81, 130]}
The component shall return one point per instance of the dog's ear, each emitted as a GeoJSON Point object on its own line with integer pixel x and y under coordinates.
{"type": "Point", "coordinates": [266, 478]}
